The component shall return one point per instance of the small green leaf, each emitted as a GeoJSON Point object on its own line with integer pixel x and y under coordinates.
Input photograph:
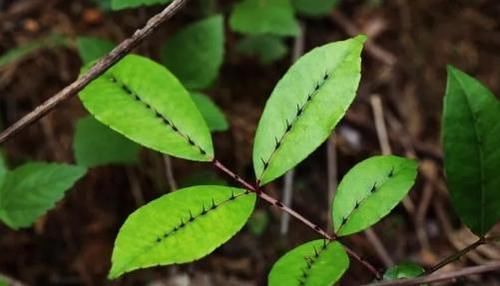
{"type": "Point", "coordinates": [267, 48]}
{"type": "Point", "coordinates": [257, 17]}
{"type": "Point", "coordinates": [145, 102]}
{"type": "Point", "coordinates": [180, 227]}
{"type": "Point", "coordinates": [403, 270]}
{"type": "Point", "coordinates": [28, 49]}
{"type": "Point", "coordinates": [314, 8]}
{"type": "Point", "coordinates": [214, 117]}
{"type": "Point", "coordinates": [316, 263]}
{"type": "Point", "coordinates": [126, 4]}
{"type": "Point", "coordinates": [32, 189]}
{"type": "Point", "coordinates": [471, 139]}
{"type": "Point", "coordinates": [370, 190]}
{"type": "Point", "coordinates": [91, 49]}
{"type": "Point", "coordinates": [96, 145]}
{"type": "Point", "coordinates": [307, 102]}
{"type": "Point", "coordinates": [196, 53]}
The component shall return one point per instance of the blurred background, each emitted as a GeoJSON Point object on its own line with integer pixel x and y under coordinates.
{"type": "Point", "coordinates": [397, 110]}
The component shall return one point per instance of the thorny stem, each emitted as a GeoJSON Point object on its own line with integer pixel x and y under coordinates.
{"type": "Point", "coordinates": [275, 202]}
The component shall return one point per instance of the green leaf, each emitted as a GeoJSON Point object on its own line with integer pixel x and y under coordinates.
{"type": "Point", "coordinates": [403, 270]}
{"type": "Point", "coordinates": [316, 263]}
{"type": "Point", "coordinates": [3, 168]}
{"type": "Point", "coordinates": [214, 117]}
{"type": "Point", "coordinates": [314, 8]}
{"type": "Point", "coordinates": [307, 103]}
{"type": "Point", "coordinates": [267, 48]}
{"type": "Point", "coordinates": [32, 189]}
{"type": "Point", "coordinates": [471, 139]}
{"type": "Point", "coordinates": [91, 49]}
{"type": "Point", "coordinates": [96, 145]}
{"type": "Point", "coordinates": [126, 4]}
{"type": "Point", "coordinates": [180, 227]}
{"type": "Point", "coordinates": [196, 53]}
{"type": "Point", "coordinates": [145, 102]}
{"type": "Point", "coordinates": [30, 48]}
{"type": "Point", "coordinates": [256, 17]}
{"type": "Point", "coordinates": [370, 190]}
{"type": "Point", "coordinates": [258, 222]}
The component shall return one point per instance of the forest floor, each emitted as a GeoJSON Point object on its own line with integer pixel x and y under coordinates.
{"type": "Point", "coordinates": [404, 76]}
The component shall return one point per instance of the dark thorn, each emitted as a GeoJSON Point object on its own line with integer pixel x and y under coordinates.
{"type": "Point", "coordinates": [214, 206]}
{"type": "Point", "coordinates": [157, 114]}
{"type": "Point", "coordinates": [236, 177]}
{"type": "Point", "coordinates": [309, 97]}
{"type": "Point", "coordinates": [191, 217]}
{"type": "Point", "coordinates": [166, 121]}
{"type": "Point", "coordinates": [203, 210]}
{"type": "Point", "coordinates": [325, 77]}
{"type": "Point", "coordinates": [112, 79]}
{"type": "Point", "coordinates": [278, 143]}
{"type": "Point", "coordinates": [316, 88]}
{"type": "Point", "coordinates": [356, 205]}
{"type": "Point", "coordinates": [288, 126]}
{"type": "Point", "coordinates": [317, 228]}
{"type": "Point", "coordinates": [299, 110]}
{"type": "Point", "coordinates": [158, 240]}
{"type": "Point", "coordinates": [182, 223]}
{"type": "Point", "coordinates": [316, 253]}
{"type": "Point", "coordinates": [165, 235]}
{"type": "Point", "coordinates": [247, 192]}
{"type": "Point", "coordinates": [325, 243]}
{"type": "Point", "coordinates": [127, 89]}
{"type": "Point", "coordinates": [190, 141]}
{"type": "Point", "coordinates": [278, 204]}
{"type": "Point", "coordinates": [232, 196]}
{"type": "Point", "coordinates": [174, 128]}
{"type": "Point", "coordinates": [391, 173]}
{"type": "Point", "coordinates": [374, 188]}
{"type": "Point", "coordinates": [265, 163]}
{"type": "Point", "coordinates": [344, 220]}
{"type": "Point", "coordinates": [203, 152]}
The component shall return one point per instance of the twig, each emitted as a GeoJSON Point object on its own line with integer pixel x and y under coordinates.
{"type": "Point", "coordinates": [298, 50]}
{"type": "Point", "coordinates": [99, 68]}
{"type": "Point", "coordinates": [457, 255]}
{"type": "Point", "coordinates": [293, 213]}
{"type": "Point", "coordinates": [169, 173]}
{"type": "Point", "coordinates": [441, 276]}
{"type": "Point", "coordinates": [373, 49]}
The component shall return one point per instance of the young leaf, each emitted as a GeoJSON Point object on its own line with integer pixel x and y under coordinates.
{"type": "Point", "coordinates": [32, 189]}
{"type": "Point", "coordinates": [316, 263]}
{"type": "Point", "coordinates": [145, 102]}
{"type": "Point", "coordinates": [314, 8]}
{"type": "Point", "coordinates": [267, 48]}
{"type": "Point", "coordinates": [126, 4]}
{"type": "Point", "coordinates": [214, 117]}
{"type": "Point", "coordinates": [180, 227]}
{"type": "Point", "coordinates": [305, 106]}
{"type": "Point", "coordinates": [370, 190]}
{"type": "Point", "coordinates": [98, 145]}
{"type": "Point", "coordinates": [196, 53]}
{"type": "Point", "coordinates": [471, 138]}
{"type": "Point", "coordinates": [403, 270]}
{"type": "Point", "coordinates": [257, 17]}
{"type": "Point", "coordinates": [91, 49]}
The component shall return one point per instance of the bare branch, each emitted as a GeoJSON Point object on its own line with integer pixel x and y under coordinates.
{"type": "Point", "coordinates": [99, 68]}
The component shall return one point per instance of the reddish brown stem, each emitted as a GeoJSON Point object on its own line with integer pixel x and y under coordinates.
{"type": "Point", "coordinates": [275, 202]}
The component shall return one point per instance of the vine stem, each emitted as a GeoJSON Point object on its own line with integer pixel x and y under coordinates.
{"type": "Point", "coordinates": [457, 255]}
{"type": "Point", "coordinates": [275, 202]}
{"type": "Point", "coordinates": [98, 69]}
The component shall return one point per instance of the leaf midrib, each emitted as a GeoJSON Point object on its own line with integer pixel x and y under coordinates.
{"type": "Point", "coordinates": [480, 151]}
{"type": "Point", "coordinates": [315, 260]}
{"type": "Point", "coordinates": [187, 223]}
{"type": "Point", "coordinates": [298, 117]}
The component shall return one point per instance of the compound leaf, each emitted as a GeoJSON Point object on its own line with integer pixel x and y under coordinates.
{"type": "Point", "coordinates": [196, 53]}
{"type": "Point", "coordinates": [471, 138]}
{"type": "Point", "coordinates": [125, 4]}
{"type": "Point", "coordinates": [314, 8]}
{"type": "Point", "coordinates": [32, 189]}
{"type": "Point", "coordinates": [180, 227]}
{"type": "Point", "coordinates": [91, 48]}
{"type": "Point", "coordinates": [370, 190]}
{"type": "Point", "coordinates": [96, 145]}
{"type": "Point", "coordinates": [145, 102]}
{"type": "Point", "coordinates": [267, 48]}
{"type": "Point", "coordinates": [316, 263]}
{"type": "Point", "coordinates": [307, 102]}
{"type": "Point", "coordinates": [214, 117]}
{"type": "Point", "coordinates": [257, 17]}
